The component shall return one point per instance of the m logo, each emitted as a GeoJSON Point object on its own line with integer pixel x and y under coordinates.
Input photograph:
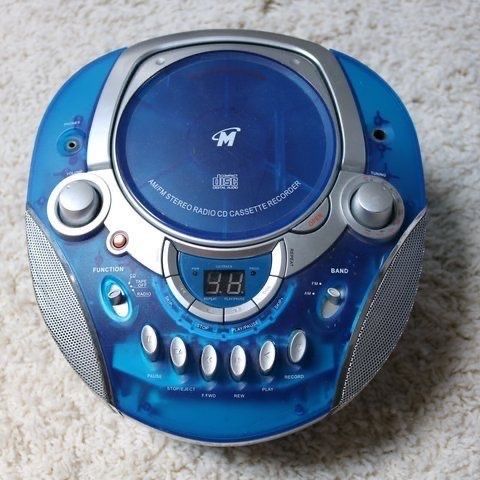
{"type": "Point", "coordinates": [226, 136]}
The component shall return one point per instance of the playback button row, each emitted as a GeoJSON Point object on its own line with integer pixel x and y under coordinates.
{"type": "Point", "coordinates": [209, 360]}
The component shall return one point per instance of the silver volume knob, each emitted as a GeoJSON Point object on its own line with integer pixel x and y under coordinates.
{"type": "Point", "coordinates": [372, 205]}
{"type": "Point", "coordinates": [78, 204]}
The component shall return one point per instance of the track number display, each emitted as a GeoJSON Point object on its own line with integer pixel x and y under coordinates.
{"type": "Point", "coordinates": [224, 282]}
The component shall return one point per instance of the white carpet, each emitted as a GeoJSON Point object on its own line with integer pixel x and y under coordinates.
{"type": "Point", "coordinates": [420, 418]}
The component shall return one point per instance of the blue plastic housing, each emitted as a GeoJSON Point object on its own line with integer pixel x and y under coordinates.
{"type": "Point", "coordinates": [223, 410]}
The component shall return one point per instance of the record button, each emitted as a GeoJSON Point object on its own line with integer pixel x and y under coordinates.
{"type": "Point", "coordinates": [297, 346]}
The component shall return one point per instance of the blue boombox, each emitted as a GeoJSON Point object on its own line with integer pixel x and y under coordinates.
{"type": "Point", "coordinates": [226, 230]}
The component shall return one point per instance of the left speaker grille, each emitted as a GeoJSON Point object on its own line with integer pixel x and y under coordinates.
{"type": "Point", "coordinates": [62, 311]}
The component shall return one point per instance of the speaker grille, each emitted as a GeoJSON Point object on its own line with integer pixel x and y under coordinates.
{"type": "Point", "coordinates": [62, 311]}
{"type": "Point", "coordinates": [386, 315]}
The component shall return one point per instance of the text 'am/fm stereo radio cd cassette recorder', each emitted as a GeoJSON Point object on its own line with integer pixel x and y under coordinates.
{"type": "Point", "coordinates": [225, 230]}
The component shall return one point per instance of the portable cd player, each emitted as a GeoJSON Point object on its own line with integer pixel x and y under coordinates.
{"type": "Point", "coordinates": [225, 231]}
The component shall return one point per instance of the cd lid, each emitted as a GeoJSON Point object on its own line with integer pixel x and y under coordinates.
{"type": "Point", "coordinates": [226, 146]}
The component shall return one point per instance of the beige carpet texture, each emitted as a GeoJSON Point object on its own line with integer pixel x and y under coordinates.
{"type": "Point", "coordinates": [420, 417]}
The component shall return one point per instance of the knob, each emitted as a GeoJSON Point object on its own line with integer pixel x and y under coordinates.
{"type": "Point", "coordinates": [372, 205]}
{"type": "Point", "coordinates": [78, 203]}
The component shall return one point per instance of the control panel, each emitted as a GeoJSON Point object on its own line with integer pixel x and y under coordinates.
{"type": "Point", "coordinates": [223, 290]}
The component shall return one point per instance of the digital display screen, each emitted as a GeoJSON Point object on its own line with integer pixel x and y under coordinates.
{"type": "Point", "coordinates": [224, 282]}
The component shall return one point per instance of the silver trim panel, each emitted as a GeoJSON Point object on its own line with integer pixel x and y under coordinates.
{"type": "Point", "coordinates": [156, 63]}
{"type": "Point", "coordinates": [202, 310]}
{"type": "Point", "coordinates": [315, 220]}
{"type": "Point", "coordinates": [170, 259]}
{"type": "Point", "coordinates": [239, 312]}
{"type": "Point", "coordinates": [279, 260]}
{"type": "Point", "coordinates": [145, 240]}
{"type": "Point", "coordinates": [267, 292]}
{"type": "Point", "coordinates": [309, 54]}
{"type": "Point", "coordinates": [180, 291]}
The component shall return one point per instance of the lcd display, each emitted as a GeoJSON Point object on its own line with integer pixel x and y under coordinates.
{"type": "Point", "coordinates": [223, 282]}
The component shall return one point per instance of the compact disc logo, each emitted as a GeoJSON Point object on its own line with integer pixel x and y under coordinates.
{"type": "Point", "coordinates": [226, 136]}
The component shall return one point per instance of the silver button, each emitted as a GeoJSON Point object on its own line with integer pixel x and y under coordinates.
{"type": "Point", "coordinates": [149, 340]}
{"type": "Point", "coordinates": [238, 362]}
{"type": "Point", "coordinates": [208, 361]}
{"type": "Point", "coordinates": [212, 314]}
{"type": "Point", "coordinates": [178, 353]}
{"type": "Point", "coordinates": [297, 346]}
{"type": "Point", "coordinates": [372, 205]}
{"type": "Point", "coordinates": [169, 259]}
{"type": "Point", "coordinates": [267, 292]}
{"type": "Point", "coordinates": [78, 203]}
{"type": "Point", "coordinates": [279, 260]}
{"type": "Point", "coordinates": [266, 357]}
{"type": "Point", "coordinates": [179, 291]}
{"type": "Point", "coordinates": [315, 220]}
{"type": "Point", "coordinates": [244, 310]}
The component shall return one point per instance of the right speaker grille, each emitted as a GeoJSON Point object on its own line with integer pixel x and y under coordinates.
{"type": "Point", "coordinates": [386, 315]}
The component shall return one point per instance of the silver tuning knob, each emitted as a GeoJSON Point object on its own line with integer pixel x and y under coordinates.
{"type": "Point", "coordinates": [78, 203]}
{"type": "Point", "coordinates": [372, 205]}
